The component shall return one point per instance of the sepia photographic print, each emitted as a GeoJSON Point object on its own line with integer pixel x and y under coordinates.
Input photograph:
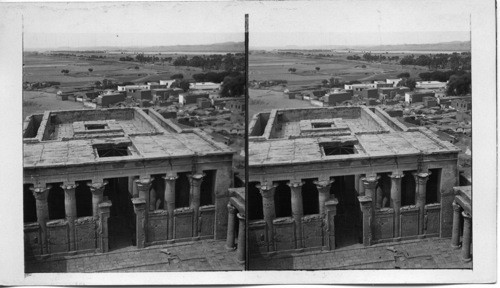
{"type": "Point", "coordinates": [240, 143]}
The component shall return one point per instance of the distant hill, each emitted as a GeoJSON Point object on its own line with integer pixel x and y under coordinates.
{"type": "Point", "coordinates": [459, 46]}
{"type": "Point", "coordinates": [216, 47]}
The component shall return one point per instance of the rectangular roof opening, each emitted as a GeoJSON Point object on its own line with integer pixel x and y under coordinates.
{"type": "Point", "coordinates": [95, 126]}
{"type": "Point", "coordinates": [321, 125]}
{"type": "Point", "coordinates": [336, 148]}
{"type": "Point", "coordinates": [112, 150]}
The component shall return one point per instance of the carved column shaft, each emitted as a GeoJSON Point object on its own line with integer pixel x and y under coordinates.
{"type": "Point", "coordinates": [269, 211]}
{"type": "Point", "coordinates": [396, 201]}
{"type": "Point", "coordinates": [297, 211]}
{"type": "Point", "coordinates": [369, 184]}
{"type": "Point", "coordinates": [455, 232]}
{"type": "Point", "coordinates": [104, 213]}
{"type": "Point", "coordinates": [140, 212]}
{"type": "Point", "coordinates": [97, 189]}
{"type": "Point", "coordinates": [169, 203]}
{"type": "Point", "coordinates": [70, 208]}
{"type": "Point", "coordinates": [467, 237]}
{"type": "Point", "coordinates": [195, 202]}
{"type": "Point", "coordinates": [367, 209]}
{"type": "Point", "coordinates": [42, 213]}
{"type": "Point", "coordinates": [241, 238]}
{"type": "Point", "coordinates": [231, 222]}
{"type": "Point", "coordinates": [331, 208]}
{"type": "Point", "coordinates": [421, 188]}
{"type": "Point", "coordinates": [323, 194]}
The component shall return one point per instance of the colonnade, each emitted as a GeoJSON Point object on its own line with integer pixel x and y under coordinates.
{"type": "Point", "coordinates": [458, 213]}
{"type": "Point", "coordinates": [231, 233]}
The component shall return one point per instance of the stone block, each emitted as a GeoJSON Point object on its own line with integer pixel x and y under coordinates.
{"type": "Point", "coordinates": [312, 227]}
{"type": "Point", "coordinates": [256, 238]}
{"type": "Point", "coordinates": [157, 226]}
{"type": "Point", "coordinates": [58, 238]}
{"type": "Point", "coordinates": [32, 241]}
{"type": "Point", "coordinates": [183, 224]}
{"type": "Point", "coordinates": [284, 234]}
{"type": "Point", "coordinates": [383, 226]}
{"type": "Point", "coordinates": [85, 229]}
{"type": "Point", "coordinates": [409, 222]}
{"type": "Point", "coordinates": [207, 215]}
{"type": "Point", "coordinates": [433, 219]}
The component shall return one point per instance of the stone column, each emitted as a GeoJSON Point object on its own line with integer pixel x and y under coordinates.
{"type": "Point", "coordinates": [140, 226]}
{"type": "Point", "coordinates": [323, 194]}
{"type": "Point", "coordinates": [70, 208]}
{"type": "Point", "coordinates": [195, 202]}
{"type": "Point", "coordinates": [366, 207]}
{"type": "Point", "coordinates": [455, 233]}
{"type": "Point", "coordinates": [269, 211]}
{"type": "Point", "coordinates": [104, 212]}
{"type": "Point", "coordinates": [331, 211]}
{"type": "Point", "coordinates": [396, 202]}
{"type": "Point", "coordinates": [143, 185]}
{"type": "Point", "coordinates": [361, 190]}
{"type": "Point", "coordinates": [421, 181]}
{"type": "Point", "coordinates": [42, 213]}
{"type": "Point", "coordinates": [241, 238]}
{"type": "Point", "coordinates": [169, 203]}
{"type": "Point", "coordinates": [231, 218]}
{"type": "Point", "coordinates": [369, 185]}
{"type": "Point", "coordinates": [297, 211]}
{"type": "Point", "coordinates": [467, 237]}
{"type": "Point", "coordinates": [97, 189]}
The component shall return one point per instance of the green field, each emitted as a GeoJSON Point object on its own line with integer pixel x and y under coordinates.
{"type": "Point", "coordinates": [274, 66]}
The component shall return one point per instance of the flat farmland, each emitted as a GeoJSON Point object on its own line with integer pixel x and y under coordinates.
{"type": "Point", "coordinates": [42, 68]}
{"type": "Point", "coordinates": [273, 66]}
{"type": "Point", "coordinates": [37, 102]}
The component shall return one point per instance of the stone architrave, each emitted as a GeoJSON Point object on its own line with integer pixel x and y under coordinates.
{"type": "Point", "coordinates": [421, 187]}
{"type": "Point", "coordinates": [297, 211]}
{"type": "Point", "coordinates": [241, 238]}
{"type": "Point", "coordinates": [455, 233]}
{"type": "Point", "coordinates": [195, 202]}
{"type": "Point", "coordinates": [396, 202]}
{"type": "Point", "coordinates": [231, 223]}
{"type": "Point", "coordinates": [169, 203]}
{"type": "Point", "coordinates": [323, 194]}
{"type": "Point", "coordinates": [467, 237]}
{"type": "Point", "coordinates": [42, 213]}
{"type": "Point", "coordinates": [331, 212]}
{"type": "Point", "coordinates": [70, 209]}
{"type": "Point", "coordinates": [97, 189]}
{"type": "Point", "coordinates": [366, 207]}
{"type": "Point", "coordinates": [269, 211]}
{"type": "Point", "coordinates": [140, 214]}
{"type": "Point", "coordinates": [104, 213]}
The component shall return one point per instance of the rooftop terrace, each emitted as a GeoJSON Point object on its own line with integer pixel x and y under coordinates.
{"type": "Point", "coordinates": [335, 133]}
{"type": "Point", "coordinates": [61, 138]}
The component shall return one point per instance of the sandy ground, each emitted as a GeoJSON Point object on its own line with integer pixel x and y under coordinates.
{"type": "Point", "coordinates": [35, 102]}
{"type": "Point", "coordinates": [265, 100]}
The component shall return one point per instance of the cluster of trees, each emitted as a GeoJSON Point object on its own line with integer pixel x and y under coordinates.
{"type": "Point", "coordinates": [65, 71]}
{"type": "Point", "coordinates": [441, 76]}
{"type": "Point", "coordinates": [459, 84]}
{"type": "Point", "coordinates": [108, 84]}
{"type": "Point", "coordinates": [292, 70]}
{"type": "Point", "coordinates": [228, 62]}
{"type": "Point", "coordinates": [454, 61]}
{"type": "Point", "coordinates": [146, 59]}
{"type": "Point", "coordinates": [216, 77]}
{"type": "Point", "coordinates": [233, 86]}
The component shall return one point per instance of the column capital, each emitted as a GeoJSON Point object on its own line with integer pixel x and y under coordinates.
{"type": "Point", "coordinates": [139, 204]}
{"type": "Point", "coordinates": [397, 175]}
{"type": "Point", "coordinates": [40, 193]}
{"type": "Point", "coordinates": [466, 215]}
{"type": "Point", "coordinates": [69, 186]}
{"type": "Point", "coordinates": [267, 191]}
{"type": "Point", "coordinates": [197, 176]}
{"type": "Point", "coordinates": [241, 216]}
{"type": "Point", "coordinates": [421, 177]}
{"type": "Point", "coordinates": [295, 184]}
{"type": "Point", "coordinates": [323, 184]}
{"type": "Point", "coordinates": [370, 181]}
{"type": "Point", "coordinates": [230, 208]}
{"type": "Point", "coordinates": [143, 183]}
{"type": "Point", "coordinates": [96, 187]}
{"type": "Point", "coordinates": [170, 177]}
{"type": "Point", "coordinates": [456, 206]}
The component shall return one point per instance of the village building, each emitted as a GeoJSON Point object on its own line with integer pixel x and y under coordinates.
{"type": "Point", "coordinates": [325, 178]}
{"type": "Point", "coordinates": [431, 85]}
{"type": "Point", "coordinates": [105, 179]}
{"type": "Point", "coordinates": [205, 86]}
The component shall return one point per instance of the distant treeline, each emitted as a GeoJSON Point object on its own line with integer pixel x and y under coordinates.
{"type": "Point", "coordinates": [216, 77]}
{"type": "Point", "coordinates": [228, 62]}
{"type": "Point", "coordinates": [454, 61]}
{"type": "Point", "coordinates": [77, 51]}
{"type": "Point", "coordinates": [375, 57]}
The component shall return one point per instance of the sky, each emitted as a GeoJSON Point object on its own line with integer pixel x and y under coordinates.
{"type": "Point", "coordinates": [272, 23]}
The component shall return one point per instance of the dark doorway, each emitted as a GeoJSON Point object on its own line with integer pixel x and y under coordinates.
{"type": "Point", "coordinates": [182, 190]}
{"type": "Point", "coordinates": [83, 198]}
{"type": "Point", "coordinates": [254, 202]}
{"type": "Point", "coordinates": [157, 191]}
{"type": "Point", "coordinates": [207, 188]}
{"type": "Point", "coordinates": [348, 219]}
{"type": "Point", "coordinates": [29, 204]}
{"type": "Point", "coordinates": [121, 223]}
{"type": "Point", "coordinates": [408, 189]}
{"type": "Point", "coordinates": [310, 200]}
{"type": "Point", "coordinates": [56, 202]}
{"type": "Point", "coordinates": [283, 200]}
{"type": "Point", "coordinates": [432, 192]}
{"type": "Point", "coordinates": [384, 184]}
